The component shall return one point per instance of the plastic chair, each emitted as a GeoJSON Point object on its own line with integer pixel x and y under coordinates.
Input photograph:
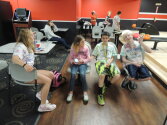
{"type": "Point", "coordinates": [34, 29]}
{"type": "Point", "coordinates": [110, 30]}
{"type": "Point", "coordinates": [101, 24]}
{"type": "Point", "coordinates": [40, 36]}
{"type": "Point", "coordinates": [96, 32]}
{"type": "Point", "coordinates": [3, 66]}
{"type": "Point", "coordinates": [20, 76]}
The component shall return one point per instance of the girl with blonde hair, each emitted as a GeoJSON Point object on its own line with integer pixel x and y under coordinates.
{"type": "Point", "coordinates": [79, 57]}
{"type": "Point", "coordinates": [23, 55]}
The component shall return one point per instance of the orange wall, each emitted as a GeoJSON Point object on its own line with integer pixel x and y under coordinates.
{"type": "Point", "coordinates": [129, 8]}
{"type": "Point", "coordinates": [78, 9]}
{"type": "Point", "coordinates": [48, 9]}
{"type": "Point", "coordinates": [72, 10]}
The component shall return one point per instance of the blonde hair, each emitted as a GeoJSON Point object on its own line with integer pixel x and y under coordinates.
{"type": "Point", "coordinates": [76, 43]}
{"type": "Point", "coordinates": [109, 13]}
{"type": "Point", "coordinates": [123, 36]}
{"type": "Point", "coordinates": [26, 38]}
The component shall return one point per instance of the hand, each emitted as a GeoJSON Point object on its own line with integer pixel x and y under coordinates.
{"type": "Point", "coordinates": [107, 65]}
{"type": "Point", "coordinates": [81, 61]}
{"type": "Point", "coordinates": [28, 68]}
{"type": "Point", "coordinates": [140, 39]}
{"type": "Point", "coordinates": [137, 64]}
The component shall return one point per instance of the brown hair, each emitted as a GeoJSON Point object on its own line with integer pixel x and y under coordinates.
{"type": "Point", "coordinates": [25, 38]}
{"type": "Point", "coordinates": [48, 23]}
{"type": "Point", "coordinates": [76, 42]}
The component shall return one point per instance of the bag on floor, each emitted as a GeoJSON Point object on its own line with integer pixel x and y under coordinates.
{"type": "Point", "coordinates": [58, 79]}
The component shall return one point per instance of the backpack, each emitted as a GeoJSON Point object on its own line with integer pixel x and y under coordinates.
{"type": "Point", "coordinates": [58, 79]}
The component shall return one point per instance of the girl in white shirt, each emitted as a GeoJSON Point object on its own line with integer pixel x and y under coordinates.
{"type": "Point", "coordinates": [23, 55]}
{"type": "Point", "coordinates": [49, 30]}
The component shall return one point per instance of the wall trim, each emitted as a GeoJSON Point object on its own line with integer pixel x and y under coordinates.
{"type": "Point", "coordinates": [110, 18]}
{"type": "Point", "coordinates": [56, 21]}
{"type": "Point", "coordinates": [152, 13]}
{"type": "Point", "coordinates": [152, 19]}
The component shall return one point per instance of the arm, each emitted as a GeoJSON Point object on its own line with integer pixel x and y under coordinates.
{"type": "Point", "coordinates": [109, 61]}
{"type": "Point", "coordinates": [71, 57]}
{"type": "Point", "coordinates": [55, 28]}
{"type": "Point", "coordinates": [146, 48]}
{"type": "Point", "coordinates": [92, 57]}
{"type": "Point", "coordinates": [87, 54]}
{"type": "Point", "coordinates": [17, 60]}
{"type": "Point", "coordinates": [130, 62]}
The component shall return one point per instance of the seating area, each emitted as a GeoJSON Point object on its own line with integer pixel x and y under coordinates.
{"type": "Point", "coordinates": [65, 62]}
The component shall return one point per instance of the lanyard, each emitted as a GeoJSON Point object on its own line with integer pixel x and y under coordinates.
{"type": "Point", "coordinates": [105, 52]}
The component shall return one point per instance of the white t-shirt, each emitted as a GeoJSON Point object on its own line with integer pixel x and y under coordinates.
{"type": "Point", "coordinates": [21, 51]}
{"type": "Point", "coordinates": [116, 21]}
{"type": "Point", "coordinates": [104, 52]}
{"type": "Point", "coordinates": [133, 54]}
{"type": "Point", "coordinates": [49, 33]}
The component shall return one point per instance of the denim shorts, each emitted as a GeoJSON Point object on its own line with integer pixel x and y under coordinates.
{"type": "Point", "coordinates": [138, 72]}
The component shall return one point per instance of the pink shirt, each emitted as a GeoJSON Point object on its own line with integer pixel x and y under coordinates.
{"type": "Point", "coordinates": [83, 54]}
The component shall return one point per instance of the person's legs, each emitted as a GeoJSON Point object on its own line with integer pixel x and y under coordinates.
{"type": "Point", "coordinates": [114, 73]}
{"type": "Point", "coordinates": [132, 69]}
{"type": "Point", "coordinates": [74, 69]}
{"type": "Point", "coordinates": [46, 81]}
{"type": "Point", "coordinates": [47, 73]}
{"type": "Point", "coordinates": [143, 73]}
{"type": "Point", "coordinates": [60, 40]}
{"type": "Point", "coordinates": [82, 72]}
{"type": "Point", "coordinates": [100, 68]}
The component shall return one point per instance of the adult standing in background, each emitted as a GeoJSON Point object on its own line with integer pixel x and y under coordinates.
{"type": "Point", "coordinates": [49, 30]}
{"type": "Point", "coordinates": [107, 19]}
{"type": "Point", "coordinates": [93, 18]}
{"type": "Point", "coordinates": [116, 21]}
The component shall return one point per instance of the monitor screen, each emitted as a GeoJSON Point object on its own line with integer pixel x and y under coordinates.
{"type": "Point", "coordinates": [21, 13]}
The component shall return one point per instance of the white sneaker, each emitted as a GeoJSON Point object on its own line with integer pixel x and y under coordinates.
{"type": "Point", "coordinates": [86, 98]}
{"type": "Point", "coordinates": [46, 107]}
{"type": "Point", "coordinates": [69, 97]}
{"type": "Point", "coordinates": [38, 95]}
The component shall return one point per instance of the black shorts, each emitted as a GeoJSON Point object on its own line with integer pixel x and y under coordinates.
{"type": "Point", "coordinates": [138, 72]}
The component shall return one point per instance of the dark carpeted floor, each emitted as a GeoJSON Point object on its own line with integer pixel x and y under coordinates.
{"type": "Point", "coordinates": [23, 110]}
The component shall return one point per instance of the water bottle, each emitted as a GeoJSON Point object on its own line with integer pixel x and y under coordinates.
{"type": "Point", "coordinates": [36, 42]}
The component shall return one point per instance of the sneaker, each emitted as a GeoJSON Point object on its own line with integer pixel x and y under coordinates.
{"type": "Point", "coordinates": [38, 95]}
{"type": "Point", "coordinates": [132, 85]}
{"type": "Point", "coordinates": [100, 100]}
{"type": "Point", "coordinates": [125, 83]}
{"type": "Point", "coordinates": [85, 98]}
{"type": "Point", "coordinates": [46, 107]}
{"type": "Point", "coordinates": [69, 98]}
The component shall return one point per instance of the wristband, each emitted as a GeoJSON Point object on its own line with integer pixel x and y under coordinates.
{"type": "Point", "coordinates": [24, 64]}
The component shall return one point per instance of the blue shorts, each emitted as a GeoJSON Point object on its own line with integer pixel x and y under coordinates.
{"type": "Point", "coordinates": [138, 72]}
